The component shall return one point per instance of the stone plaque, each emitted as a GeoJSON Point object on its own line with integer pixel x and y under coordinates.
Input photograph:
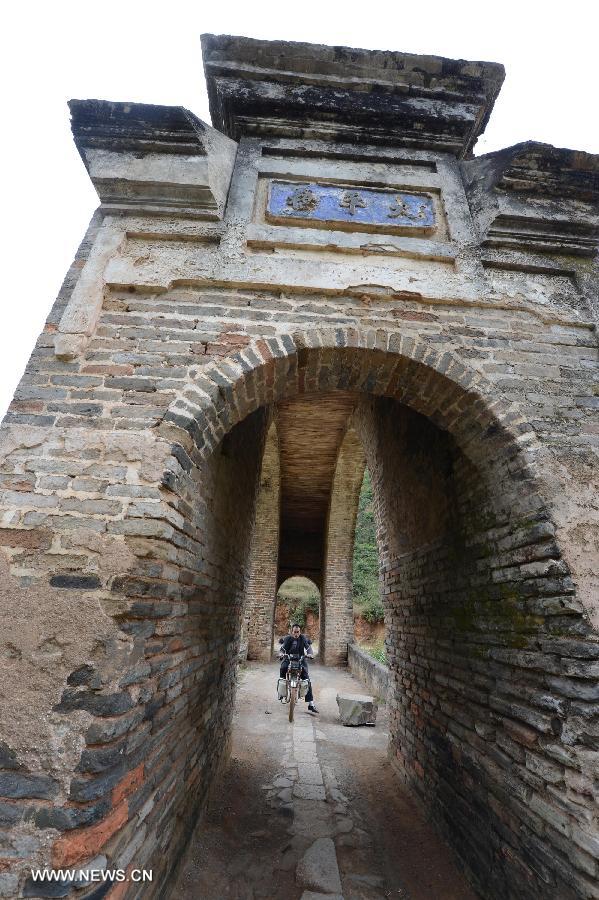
{"type": "Point", "coordinates": [349, 208]}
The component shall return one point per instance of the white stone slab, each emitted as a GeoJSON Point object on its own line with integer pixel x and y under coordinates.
{"type": "Point", "coordinates": [318, 868]}
{"type": "Point", "coordinates": [309, 792]}
{"type": "Point", "coordinates": [309, 774]}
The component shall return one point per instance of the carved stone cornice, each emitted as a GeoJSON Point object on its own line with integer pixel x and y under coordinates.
{"type": "Point", "coordinates": [153, 159]}
{"type": "Point", "coordinates": [358, 96]}
{"type": "Point", "coordinates": [536, 197]}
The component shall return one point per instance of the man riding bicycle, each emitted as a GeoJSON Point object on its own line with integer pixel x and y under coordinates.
{"type": "Point", "coordinates": [297, 644]}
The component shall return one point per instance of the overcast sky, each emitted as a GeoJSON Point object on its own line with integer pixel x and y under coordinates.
{"type": "Point", "coordinates": [150, 52]}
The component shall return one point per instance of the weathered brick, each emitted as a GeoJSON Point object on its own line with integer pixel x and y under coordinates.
{"type": "Point", "coordinates": [76, 582]}
{"type": "Point", "coordinates": [36, 888]}
{"type": "Point", "coordinates": [71, 816]}
{"type": "Point", "coordinates": [23, 785]}
{"type": "Point", "coordinates": [11, 813]}
{"type": "Point", "coordinates": [8, 757]}
{"type": "Point", "coordinates": [95, 703]}
{"type": "Point", "coordinates": [83, 843]}
{"type": "Point", "coordinates": [147, 385]}
{"type": "Point", "coordinates": [130, 783]}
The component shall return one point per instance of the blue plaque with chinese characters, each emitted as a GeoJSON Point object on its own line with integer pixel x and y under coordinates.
{"type": "Point", "coordinates": [349, 208]}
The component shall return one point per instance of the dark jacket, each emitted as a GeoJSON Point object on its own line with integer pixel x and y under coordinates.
{"type": "Point", "coordinates": [297, 646]}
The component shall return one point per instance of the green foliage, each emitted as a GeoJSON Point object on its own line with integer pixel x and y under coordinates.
{"type": "Point", "coordinates": [300, 595]}
{"type": "Point", "coordinates": [300, 612]}
{"type": "Point", "coordinates": [378, 652]}
{"type": "Point", "coordinates": [372, 610]}
{"type": "Point", "coordinates": [366, 558]}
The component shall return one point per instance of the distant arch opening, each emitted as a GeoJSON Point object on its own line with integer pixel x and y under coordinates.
{"type": "Point", "coordinates": [298, 600]}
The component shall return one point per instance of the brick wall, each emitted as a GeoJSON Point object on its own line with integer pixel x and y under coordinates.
{"type": "Point", "coordinates": [483, 634]}
{"type": "Point", "coordinates": [127, 508]}
{"type": "Point", "coordinates": [261, 590]}
{"type": "Point", "coordinates": [337, 620]}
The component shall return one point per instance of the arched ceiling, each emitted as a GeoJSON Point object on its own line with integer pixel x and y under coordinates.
{"type": "Point", "coordinates": [311, 429]}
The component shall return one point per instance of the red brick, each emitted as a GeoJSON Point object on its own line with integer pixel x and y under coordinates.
{"type": "Point", "coordinates": [176, 644]}
{"type": "Point", "coordinates": [83, 843]}
{"type": "Point", "coordinates": [520, 733]}
{"type": "Point", "coordinates": [128, 785]}
{"type": "Point", "coordinates": [118, 891]}
{"type": "Point", "coordinates": [26, 406]}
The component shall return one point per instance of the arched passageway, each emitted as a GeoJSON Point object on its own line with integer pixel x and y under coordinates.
{"type": "Point", "coordinates": [477, 598]}
{"type": "Point", "coordinates": [479, 606]}
{"type": "Point", "coordinates": [311, 473]}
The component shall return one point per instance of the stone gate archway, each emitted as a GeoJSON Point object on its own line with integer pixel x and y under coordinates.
{"type": "Point", "coordinates": [475, 528]}
{"type": "Point", "coordinates": [443, 310]}
{"type": "Point", "coordinates": [487, 641]}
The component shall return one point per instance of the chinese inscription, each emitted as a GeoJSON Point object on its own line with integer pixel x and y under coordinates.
{"type": "Point", "coordinates": [354, 209]}
{"type": "Point", "coordinates": [399, 207]}
{"type": "Point", "coordinates": [302, 199]}
{"type": "Point", "coordinates": [351, 201]}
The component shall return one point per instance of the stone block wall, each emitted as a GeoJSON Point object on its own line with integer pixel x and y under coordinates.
{"type": "Point", "coordinates": [373, 674]}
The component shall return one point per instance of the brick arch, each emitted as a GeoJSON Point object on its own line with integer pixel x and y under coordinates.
{"type": "Point", "coordinates": [378, 363]}
{"type": "Point", "coordinates": [480, 605]}
{"type": "Point", "coordinates": [436, 384]}
{"type": "Point", "coordinates": [483, 704]}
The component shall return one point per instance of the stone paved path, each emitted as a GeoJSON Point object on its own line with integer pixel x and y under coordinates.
{"type": "Point", "coordinates": [312, 810]}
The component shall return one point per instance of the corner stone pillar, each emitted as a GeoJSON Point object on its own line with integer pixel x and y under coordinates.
{"type": "Point", "coordinates": [336, 614]}
{"type": "Point", "coordinates": [261, 591]}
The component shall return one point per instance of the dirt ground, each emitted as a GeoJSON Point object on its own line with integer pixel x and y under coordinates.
{"type": "Point", "coordinates": [288, 785]}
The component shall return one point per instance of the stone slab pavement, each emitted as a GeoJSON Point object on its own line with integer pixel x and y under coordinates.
{"type": "Point", "coordinates": [312, 810]}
